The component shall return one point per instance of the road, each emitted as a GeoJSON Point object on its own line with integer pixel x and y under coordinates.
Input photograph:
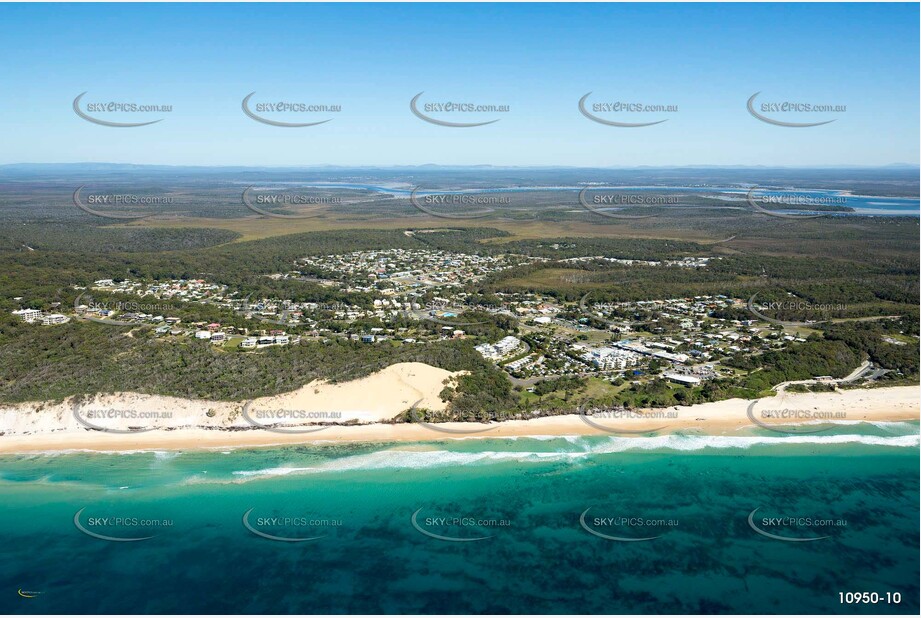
{"type": "Point", "coordinates": [864, 368]}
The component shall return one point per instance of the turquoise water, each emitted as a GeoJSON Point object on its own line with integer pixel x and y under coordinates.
{"type": "Point", "coordinates": [516, 505]}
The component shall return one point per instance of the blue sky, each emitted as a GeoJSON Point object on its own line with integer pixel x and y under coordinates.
{"type": "Point", "coordinates": [539, 59]}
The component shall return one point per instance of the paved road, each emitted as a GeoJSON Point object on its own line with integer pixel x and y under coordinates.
{"type": "Point", "coordinates": [864, 368]}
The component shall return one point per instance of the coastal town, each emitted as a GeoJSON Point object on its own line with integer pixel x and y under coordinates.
{"type": "Point", "coordinates": [418, 296]}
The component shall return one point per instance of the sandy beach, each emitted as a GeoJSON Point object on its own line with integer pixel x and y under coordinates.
{"type": "Point", "coordinates": [315, 413]}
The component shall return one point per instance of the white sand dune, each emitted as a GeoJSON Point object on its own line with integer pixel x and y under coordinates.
{"type": "Point", "coordinates": [183, 424]}
{"type": "Point", "coordinates": [378, 397]}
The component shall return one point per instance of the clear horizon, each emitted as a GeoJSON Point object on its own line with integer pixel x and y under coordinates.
{"type": "Point", "coordinates": [705, 61]}
{"type": "Point", "coordinates": [356, 166]}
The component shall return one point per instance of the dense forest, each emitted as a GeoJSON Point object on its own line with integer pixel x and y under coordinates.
{"type": "Point", "coordinates": [816, 273]}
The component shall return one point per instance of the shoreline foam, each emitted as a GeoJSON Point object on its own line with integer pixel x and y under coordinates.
{"type": "Point", "coordinates": [208, 425]}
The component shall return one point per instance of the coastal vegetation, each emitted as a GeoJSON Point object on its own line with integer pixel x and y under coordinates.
{"type": "Point", "coordinates": [852, 286]}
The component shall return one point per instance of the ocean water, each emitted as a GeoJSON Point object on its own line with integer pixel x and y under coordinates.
{"type": "Point", "coordinates": [524, 525]}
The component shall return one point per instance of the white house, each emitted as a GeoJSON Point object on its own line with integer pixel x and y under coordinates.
{"type": "Point", "coordinates": [499, 349]}
{"type": "Point", "coordinates": [28, 315]}
{"type": "Point", "coordinates": [54, 318]}
{"type": "Point", "coordinates": [681, 378]}
{"type": "Point", "coordinates": [610, 358]}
